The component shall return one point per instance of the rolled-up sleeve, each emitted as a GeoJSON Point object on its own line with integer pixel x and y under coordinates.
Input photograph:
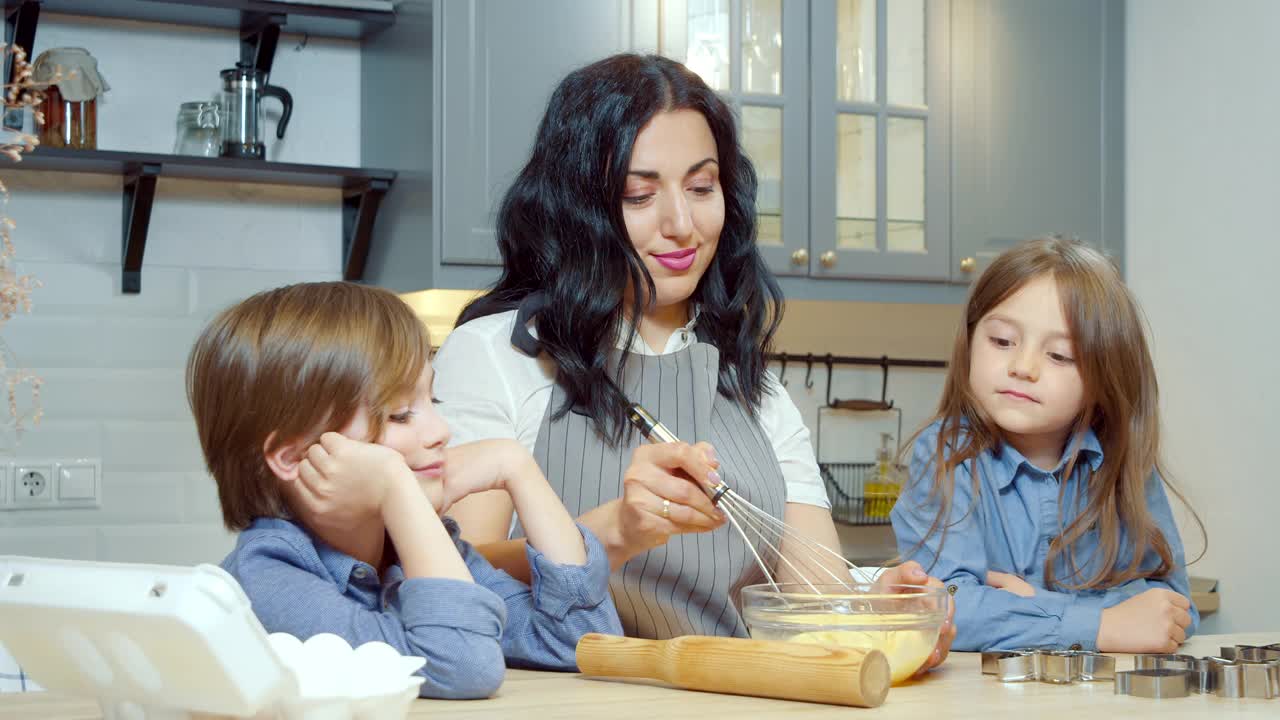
{"type": "Point", "coordinates": [545, 620]}
{"type": "Point", "coordinates": [456, 626]}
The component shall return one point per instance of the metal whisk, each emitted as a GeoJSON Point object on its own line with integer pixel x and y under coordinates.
{"type": "Point", "coordinates": [813, 557]}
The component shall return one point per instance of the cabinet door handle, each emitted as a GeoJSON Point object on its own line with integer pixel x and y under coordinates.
{"type": "Point", "coordinates": [968, 264]}
{"type": "Point", "coordinates": [800, 257]}
{"type": "Point", "coordinates": [828, 259]}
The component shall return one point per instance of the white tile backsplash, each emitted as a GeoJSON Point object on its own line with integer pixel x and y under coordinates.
{"type": "Point", "coordinates": [112, 364]}
{"type": "Point", "coordinates": [56, 437]}
{"type": "Point", "coordinates": [46, 339]}
{"type": "Point", "coordinates": [72, 543]}
{"type": "Point", "coordinates": [167, 544]}
{"type": "Point", "coordinates": [139, 444]}
{"type": "Point", "coordinates": [114, 394]}
{"type": "Point", "coordinates": [93, 289]}
{"type": "Point", "coordinates": [200, 499]}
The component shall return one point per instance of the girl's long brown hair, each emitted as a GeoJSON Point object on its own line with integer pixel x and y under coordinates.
{"type": "Point", "coordinates": [1121, 401]}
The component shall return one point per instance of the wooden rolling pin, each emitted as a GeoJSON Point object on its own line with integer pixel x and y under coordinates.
{"type": "Point", "coordinates": [789, 671]}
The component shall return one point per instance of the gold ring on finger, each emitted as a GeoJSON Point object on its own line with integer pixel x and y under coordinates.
{"type": "Point", "coordinates": [666, 509]}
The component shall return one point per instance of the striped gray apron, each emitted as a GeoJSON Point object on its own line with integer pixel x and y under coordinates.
{"type": "Point", "coordinates": [691, 584]}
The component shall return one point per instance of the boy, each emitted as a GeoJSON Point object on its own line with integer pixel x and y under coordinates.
{"type": "Point", "coordinates": [314, 409]}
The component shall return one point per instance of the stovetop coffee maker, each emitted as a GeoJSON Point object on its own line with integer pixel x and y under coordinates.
{"type": "Point", "coordinates": [243, 89]}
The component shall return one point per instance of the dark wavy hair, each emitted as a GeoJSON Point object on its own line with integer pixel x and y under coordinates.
{"type": "Point", "coordinates": [561, 232]}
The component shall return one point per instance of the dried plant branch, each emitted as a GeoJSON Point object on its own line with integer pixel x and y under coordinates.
{"type": "Point", "coordinates": [20, 92]}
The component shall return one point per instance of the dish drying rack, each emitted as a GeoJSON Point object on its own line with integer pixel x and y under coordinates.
{"type": "Point", "coordinates": [856, 497]}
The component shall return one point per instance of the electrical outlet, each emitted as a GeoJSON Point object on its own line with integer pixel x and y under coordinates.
{"type": "Point", "coordinates": [78, 482]}
{"type": "Point", "coordinates": [51, 483]}
{"type": "Point", "coordinates": [32, 485]}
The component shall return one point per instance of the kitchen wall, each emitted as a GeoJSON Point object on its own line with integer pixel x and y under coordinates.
{"type": "Point", "coordinates": [868, 330]}
{"type": "Point", "coordinates": [922, 332]}
{"type": "Point", "coordinates": [111, 363]}
{"type": "Point", "coordinates": [1201, 153]}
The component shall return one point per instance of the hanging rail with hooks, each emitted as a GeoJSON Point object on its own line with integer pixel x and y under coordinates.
{"type": "Point", "coordinates": [811, 358]}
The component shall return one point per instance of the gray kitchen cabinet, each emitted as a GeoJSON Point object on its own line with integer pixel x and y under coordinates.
{"type": "Point", "coordinates": [1009, 125]}
{"type": "Point", "coordinates": [453, 97]}
{"type": "Point", "coordinates": [755, 54]}
{"type": "Point", "coordinates": [501, 60]}
{"type": "Point", "coordinates": [881, 134]}
{"type": "Point", "coordinates": [848, 132]}
{"type": "Point", "coordinates": [1038, 118]}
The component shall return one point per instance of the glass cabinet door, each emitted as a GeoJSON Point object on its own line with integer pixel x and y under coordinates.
{"type": "Point", "coordinates": [755, 53]}
{"type": "Point", "coordinates": [880, 139]}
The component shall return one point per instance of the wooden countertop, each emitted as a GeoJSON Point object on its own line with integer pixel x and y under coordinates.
{"type": "Point", "coordinates": [957, 690]}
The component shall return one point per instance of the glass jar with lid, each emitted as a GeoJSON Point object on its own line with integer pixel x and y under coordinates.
{"type": "Point", "coordinates": [70, 105]}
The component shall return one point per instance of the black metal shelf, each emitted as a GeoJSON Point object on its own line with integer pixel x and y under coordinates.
{"type": "Point", "coordinates": [314, 19]}
{"type": "Point", "coordinates": [363, 189]}
{"type": "Point", "coordinates": [260, 22]}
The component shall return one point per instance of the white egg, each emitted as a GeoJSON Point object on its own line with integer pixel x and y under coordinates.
{"type": "Point", "coordinates": [287, 647]}
{"type": "Point", "coordinates": [324, 667]}
{"type": "Point", "coordinates": [372, 681]}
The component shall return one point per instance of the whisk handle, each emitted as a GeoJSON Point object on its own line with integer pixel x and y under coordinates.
{"type": "Point", "coordinates": [760, 668]}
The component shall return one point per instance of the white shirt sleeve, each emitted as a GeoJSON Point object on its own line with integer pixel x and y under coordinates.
{"type": "Point", "coordinates": [486, 387]}
{"type": "Point", "coordinates": [782, 424]}
{"type": "Point", "coordinates": [489, 389]}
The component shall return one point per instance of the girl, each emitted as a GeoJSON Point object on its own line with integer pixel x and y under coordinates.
{"type": "Point", "coordinates": [1036, 493]}
{"type": "Point", "coordinates": [315, 412]}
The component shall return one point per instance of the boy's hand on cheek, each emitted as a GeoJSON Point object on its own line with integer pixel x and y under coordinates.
{"type": "Point", "coordinates": [344, 481]}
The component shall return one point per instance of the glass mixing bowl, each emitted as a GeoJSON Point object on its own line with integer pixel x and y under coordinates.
{"type": "Point", "coordinates": [901, 621]}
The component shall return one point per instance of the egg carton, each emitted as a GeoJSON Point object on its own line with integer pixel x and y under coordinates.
{"type": "Point", "coordinates": [155, 642]}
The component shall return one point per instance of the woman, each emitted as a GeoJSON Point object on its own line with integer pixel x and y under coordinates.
{"type": "Point", "coordinates": [631, 274]}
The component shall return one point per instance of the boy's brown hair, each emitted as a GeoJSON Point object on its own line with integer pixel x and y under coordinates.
{"type": "Point", "coordinates": [288, 365]}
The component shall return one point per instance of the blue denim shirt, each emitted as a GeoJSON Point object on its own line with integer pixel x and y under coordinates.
{"type": "Point", "coordinates": [1009, 530]}
{"type": "Point", "coordinates": [301, 586]}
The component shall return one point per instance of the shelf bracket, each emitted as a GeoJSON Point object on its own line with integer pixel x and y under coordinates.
{"type": "Point", "coordinates": [259, 35]}
{"type": "Point", "coordinates": [21, 19]}
{"type": "Point", "coordinates": [359, 210]}
{"type": "Point", "coordinates": [139, 192]}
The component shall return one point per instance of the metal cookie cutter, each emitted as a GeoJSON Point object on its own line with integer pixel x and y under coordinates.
{"type": "Point", "coordinates": [1060, 667]}
{"type": "Point", "coordinates": [1159, 683]}
{"type": "Point", "coordinates": [1010, 666]}
{"type": "Point", "coordinates": [1229, 677]}
{"type": "Point", "coordinates": [1204, 675]}
{"type": "Point", "coordinates": [1235, 679]}
{"type": "Point", "coordinates": [1252, 653]}
{"type": "Point", "coordinates": [1150, 661]}
{"type": "Point", "coordinates": [1063, 667]}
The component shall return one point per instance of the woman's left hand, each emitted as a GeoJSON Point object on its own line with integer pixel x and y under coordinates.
{"type": "Point", "coordinates": [910, 573]}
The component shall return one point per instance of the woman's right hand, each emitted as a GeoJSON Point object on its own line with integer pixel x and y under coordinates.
{"type": "Point", "coordinates": [677, 473]}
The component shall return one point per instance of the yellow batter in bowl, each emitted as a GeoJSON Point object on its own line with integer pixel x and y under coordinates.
{"type": "Point", "coordinates": [905, 643]}
{"type": "Point", "coordinates": [901, 621]}
{"type": "Point", "coordinates": [906, 649]}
